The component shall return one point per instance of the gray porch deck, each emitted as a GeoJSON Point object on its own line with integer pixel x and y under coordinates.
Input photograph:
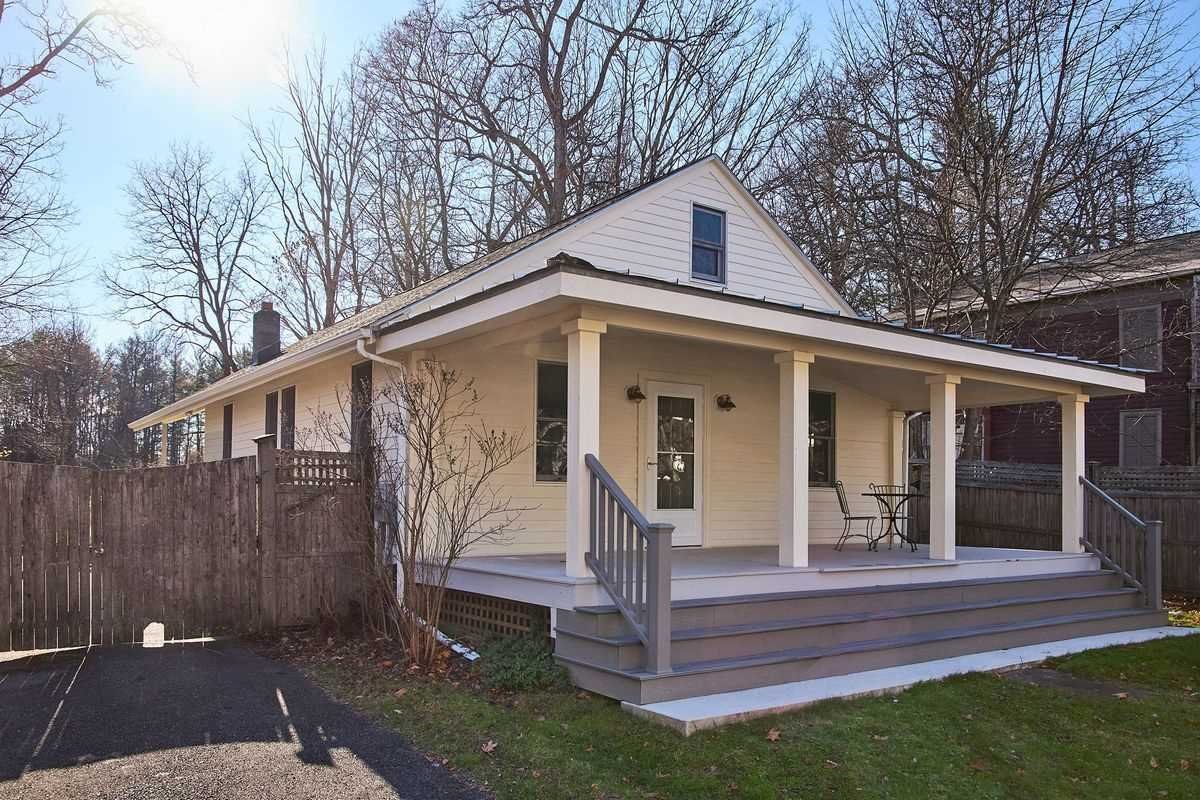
{"type": "Point", "coordinates": [730, 571]}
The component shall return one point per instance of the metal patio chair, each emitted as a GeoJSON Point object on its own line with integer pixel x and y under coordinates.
{"type": "Point", "coordinates": [849, 518]}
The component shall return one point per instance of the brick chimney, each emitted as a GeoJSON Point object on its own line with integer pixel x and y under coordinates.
{"type": "Point", "coordinates": [266, 334]}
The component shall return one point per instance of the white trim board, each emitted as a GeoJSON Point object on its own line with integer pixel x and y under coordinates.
{"type": "Point", "coordinates": [710, 711]}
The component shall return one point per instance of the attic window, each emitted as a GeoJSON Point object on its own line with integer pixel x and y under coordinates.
{"type": "Point", "coordinates": [708, 244]}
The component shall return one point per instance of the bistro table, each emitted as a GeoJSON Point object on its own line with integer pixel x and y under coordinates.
{"type": "Point", "coordinates": [891, 501]}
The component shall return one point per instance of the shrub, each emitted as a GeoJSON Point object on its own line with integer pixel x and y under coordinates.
{"type": "Point", "coordinates": [520, 665]}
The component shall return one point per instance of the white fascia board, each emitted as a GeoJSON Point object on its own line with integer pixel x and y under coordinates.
{"type": "Point", "coordinates": [587, 288]}
{"type": "Point", "coordinates": [241, 381]}
{"type": "Point", "coordinates": [480, 311]}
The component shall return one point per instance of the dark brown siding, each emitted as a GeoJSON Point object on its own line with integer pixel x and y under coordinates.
{"type": "Point", "coordinates": [1088, 327]}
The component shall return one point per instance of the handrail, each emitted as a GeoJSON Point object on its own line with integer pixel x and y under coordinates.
{"type": "Point", "coordinates": [610, 483]}
{"type": "Point", "coordinates": [1106, 497]}
{"type": "Point", "coordinates": [631, 558]}
{"type": "Point", "coordinates": [1138, 562]}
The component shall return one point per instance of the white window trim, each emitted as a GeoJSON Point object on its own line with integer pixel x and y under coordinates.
{"type": "Point", "coordinates": [723, 278]}
{"type": "Point", "coordinates": [1157, 308]}
{"type": "Point", "coordinates": [1156, 413]}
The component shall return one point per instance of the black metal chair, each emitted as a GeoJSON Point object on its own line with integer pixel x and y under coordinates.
{"type": "Point", "coordinates": [848, 520]}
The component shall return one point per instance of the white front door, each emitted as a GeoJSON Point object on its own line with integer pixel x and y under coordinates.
{"type": "Point", "coordinates": [672, 484]}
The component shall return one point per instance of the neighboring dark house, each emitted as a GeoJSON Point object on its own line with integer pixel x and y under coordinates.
{"type": "Point", "coordinates": [1137, 306]}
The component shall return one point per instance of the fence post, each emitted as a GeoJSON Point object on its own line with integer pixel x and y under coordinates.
{"type": "Point", "coordinates": [268, 595]}
{"type": "Point", "coordinates": [658, 597]}
{"type": "Point", "coordinates": [1154, 574]}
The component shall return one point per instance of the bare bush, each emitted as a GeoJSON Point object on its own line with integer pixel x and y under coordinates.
{"type": "Point", "coordinates": [436, 473]}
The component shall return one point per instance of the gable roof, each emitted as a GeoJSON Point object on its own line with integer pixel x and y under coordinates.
{"type": "Point", "coordinates": [345, 331]}
{"type": "Point", "coordinates": [1141, 262]}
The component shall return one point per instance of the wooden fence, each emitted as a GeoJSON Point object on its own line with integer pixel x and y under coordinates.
{"type": "Point", "coordinates": [91, 557]}
{"type": "Point", "coordinates": [1020, 506]}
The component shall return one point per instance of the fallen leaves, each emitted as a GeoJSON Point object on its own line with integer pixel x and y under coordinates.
{"type": "Point", "coordinates": [489, 746]}
{"type": "Point", "coordinates": [1121, 695]}
{"type": "Point", "coordinates": [774, 735]}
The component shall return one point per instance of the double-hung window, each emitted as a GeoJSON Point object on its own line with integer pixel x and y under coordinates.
{"type": "Point", "coordinates": [1141, 337]}
{"type": "Point", "coordinates": [708, 244]}
{"type": "Point", "coordinates": [551, 446]}
{"type": "Point", "coordinates": [822, 438]}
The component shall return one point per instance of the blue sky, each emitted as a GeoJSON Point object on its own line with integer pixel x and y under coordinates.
{"type": "Point", "coordinates": [154, 102]}
{"type": "Point", "coordinates": [236, 48]}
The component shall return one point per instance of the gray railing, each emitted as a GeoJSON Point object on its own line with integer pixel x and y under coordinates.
{"type": "Point", "coordinates": [1123, 542]}
{"type": "Point", "coordinates": [631, 557]}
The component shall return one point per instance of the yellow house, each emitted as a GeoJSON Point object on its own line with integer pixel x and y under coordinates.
{"type": "Point", "coordinates": [705, 376]}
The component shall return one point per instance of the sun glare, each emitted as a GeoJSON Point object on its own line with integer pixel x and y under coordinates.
{"type": "Point", "coordinates": [223, 43]}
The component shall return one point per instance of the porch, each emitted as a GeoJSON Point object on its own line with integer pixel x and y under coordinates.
{"type": "Point", "coordinates": [729, 572]}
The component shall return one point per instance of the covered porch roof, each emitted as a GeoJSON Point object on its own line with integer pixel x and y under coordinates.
{"type": "Point", "coordinates": [535, 305]}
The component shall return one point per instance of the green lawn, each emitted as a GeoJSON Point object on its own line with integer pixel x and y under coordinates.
{"type": "Point", "coordinates": [978, 736]}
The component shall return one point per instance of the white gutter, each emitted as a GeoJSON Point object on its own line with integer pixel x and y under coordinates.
{"type": "Point", "coordinates": [241, 381]}
{"type": "Point", "coordinates": [367, 336]}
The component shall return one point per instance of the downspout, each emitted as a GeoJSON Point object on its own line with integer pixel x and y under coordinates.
{"type": "Point", "coordinates": [367, 336]}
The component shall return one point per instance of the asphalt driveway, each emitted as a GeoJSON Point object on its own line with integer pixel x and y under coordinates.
{"type": "Point", "coordinates": [191, 722]}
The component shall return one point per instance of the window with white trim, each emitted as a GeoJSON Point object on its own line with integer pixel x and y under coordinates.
{"type": "Point", "coordinates": [708, 244]}
{"type": "Point", "coordinates": [1141, 438]}
{"type": "Point", "coordinates": [550, 456]}
{"type": "Point", "coordinates": [1141, 337]}
{"type": "Point", "coordinates": [822, 438]}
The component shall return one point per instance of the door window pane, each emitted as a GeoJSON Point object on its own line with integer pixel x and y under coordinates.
{"type": "Point", "coordinates": [676, 452]}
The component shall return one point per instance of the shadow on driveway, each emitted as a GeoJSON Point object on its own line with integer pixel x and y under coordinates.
{"type": "Point", "coordinates": [194, 721]}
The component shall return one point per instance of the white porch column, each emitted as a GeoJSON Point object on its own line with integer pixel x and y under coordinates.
{"type": "Point", "coordinates": [793, 457]}
{"type": "Point", "coordinates": [896, 425]}
{"type": "Point", "coordinates": [1072, 406]}
{"type": "Point", "coordinates": [583, 431]}
{"type": "Point", "coordinates": [942, 452]}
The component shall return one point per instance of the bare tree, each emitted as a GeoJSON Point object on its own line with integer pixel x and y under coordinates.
{"type": "Point", "coordinates": [51, 388]}
{"type": "Point", "coordinates": [33, 266]}
{"type": "Point", "coordinates": [98, 41]}
{"type": "Point", "coordinates": [195, 237]}
{"type": "Point", "coordinates": [530, 111]}
{"type": "Point", "coordinates": [315, 157]}
{"type": "Point", "coordinates": [1010, 134]}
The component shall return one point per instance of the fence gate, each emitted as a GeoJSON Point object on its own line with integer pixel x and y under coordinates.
{"type": "Point", "coordinates": [94, 556]}
{"type": "Point", "coordinates": [315, 542]}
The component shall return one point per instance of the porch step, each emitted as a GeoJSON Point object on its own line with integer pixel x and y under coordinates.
{"type": "Point", "coordinates": [713, 612]}
{"type": "Point", "coordinates": [724, 674]}
{"type": "Point", "coordinates": [625, 650]}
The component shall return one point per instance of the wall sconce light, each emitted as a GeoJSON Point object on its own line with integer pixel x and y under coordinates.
{"type": "Point", "coordinates": [725, 402]}
{"type": "Point", "coordinates": [635, 393]}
